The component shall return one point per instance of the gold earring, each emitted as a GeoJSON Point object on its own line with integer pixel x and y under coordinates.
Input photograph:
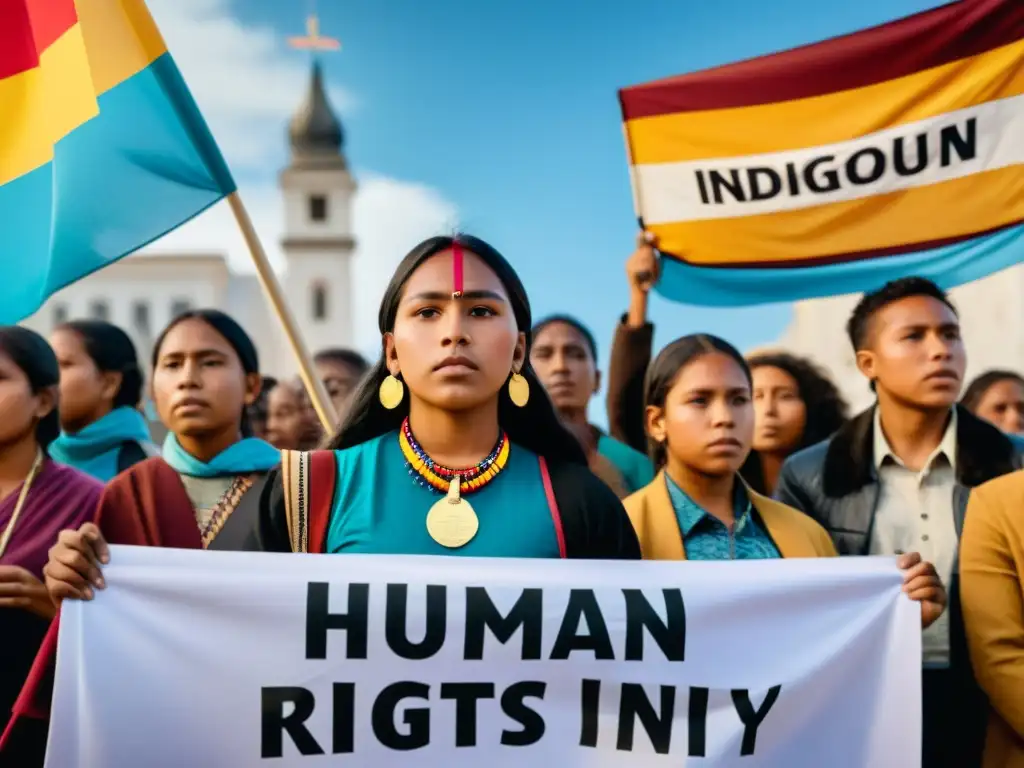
{"type": "Point", "coordinates": [519, 390]}
{"type": "Point", "coordinates": [391, 392]}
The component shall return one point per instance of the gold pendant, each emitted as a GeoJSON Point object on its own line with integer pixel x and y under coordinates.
{"type": "Point", "coordinates": [452, 521]}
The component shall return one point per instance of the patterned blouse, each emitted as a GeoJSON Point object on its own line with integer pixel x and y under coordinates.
{"type": "Point", "coordinates": [705, 537]}
{"type": "Point", "coordinates": [205, 493]}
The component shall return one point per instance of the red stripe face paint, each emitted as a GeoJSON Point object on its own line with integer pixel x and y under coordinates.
{"type": "Point", "coordinates": [456, 271]}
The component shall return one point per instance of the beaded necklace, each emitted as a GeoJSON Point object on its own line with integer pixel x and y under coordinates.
{"type": "Point", "coordinates": [428, 473]}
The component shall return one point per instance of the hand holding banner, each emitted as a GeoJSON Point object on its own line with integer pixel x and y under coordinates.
{"type": "Point", "coordinates": [215, 659]}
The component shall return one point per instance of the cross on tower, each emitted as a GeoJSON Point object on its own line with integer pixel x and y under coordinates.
{"type": "Point", "coordinates": [313, 41]}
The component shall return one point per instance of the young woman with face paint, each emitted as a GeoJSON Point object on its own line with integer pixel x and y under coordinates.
{"type": "Point", "coordinates": [102, 431]}
{"type": "Point", "coordinates": [38, 498]}
{"type": "Point", "coordinates": [450, 446]}
{"type": "Point", "coordinates": [203, 493]}
{"type": "Point", "coordinates": [700, 424]}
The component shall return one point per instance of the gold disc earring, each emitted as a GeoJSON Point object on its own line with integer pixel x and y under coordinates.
{"type": "Point", "coordinates": [519, 390]}
{"type": "Point", "coordinates": [391, 392]}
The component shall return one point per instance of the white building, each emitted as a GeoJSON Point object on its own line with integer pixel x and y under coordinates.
{"type": "Point", "coordinates": [991, 317]}
{"type": "Point", "coordinates": [143, 292]}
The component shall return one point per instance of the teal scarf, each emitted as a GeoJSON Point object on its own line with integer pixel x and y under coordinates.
{"type": "Point", "coordinates": [245, 457]}
{"type": "Point", "coordinates": [96, 449]}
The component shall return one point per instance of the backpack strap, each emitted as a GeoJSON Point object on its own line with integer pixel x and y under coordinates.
{"type": "Point", "coordinates": [324, 469]}
{"type": "Point", "coordinates": [556, 513]}
{"type": "Point", "coordinates": [307, 504]}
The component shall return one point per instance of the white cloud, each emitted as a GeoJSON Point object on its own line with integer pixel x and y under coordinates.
{"type": "Point", "coordinates": [389, 217]}
{"type": "Point", "coordinates": [247, 86]}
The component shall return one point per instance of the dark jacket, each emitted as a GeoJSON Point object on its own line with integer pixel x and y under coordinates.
{"type": "Point", "coordinates": [836, 484]}
{"type": "Point", "coordinates": [627, 365]}
{"type": "Point", "coordinates": [133, 453]}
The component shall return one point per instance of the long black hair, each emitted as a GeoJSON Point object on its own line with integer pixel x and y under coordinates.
{"type": "Point", "coordinates": [111, 351]}
{"type": "Point", "coordinates": [535, 426]}
{"type": "Point", "coordinates": [826, 409]}
{"type": "Point", "coordinates": [981, 384]}
{"type": "Point", "coordinates": [233, 333]}
{"type": "Point", "coordinates": [666, 367]}
{"type": "Point", "coordinates": [35, 357]}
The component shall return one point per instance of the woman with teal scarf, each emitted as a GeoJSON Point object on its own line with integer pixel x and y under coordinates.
{"type": "Point", "coordinates": [102, 431]}
{"type": "Point", "coordinates": [203, 492]}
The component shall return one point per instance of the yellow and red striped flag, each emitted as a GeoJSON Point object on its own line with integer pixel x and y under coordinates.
{"type": "Point", "coordinates": [834, 167]}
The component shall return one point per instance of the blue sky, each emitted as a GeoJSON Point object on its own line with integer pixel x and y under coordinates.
{"type": "Point", "coordinates": [507, 112]}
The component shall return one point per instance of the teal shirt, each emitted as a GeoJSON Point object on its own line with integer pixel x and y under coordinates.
{"type": "Point", "coordinates": [705, 537]}
{"type": "Point", "coordinates": [635, 468]}
{"type": "Point", "coordinates": [96, 450]}
{"type": "Point", "coordinates": [380, 508]}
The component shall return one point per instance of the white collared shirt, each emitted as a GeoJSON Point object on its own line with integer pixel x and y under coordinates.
{"type": "Point", "coordinates": [915, 514]}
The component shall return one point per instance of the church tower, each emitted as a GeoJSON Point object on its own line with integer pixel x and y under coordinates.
{"type": "Point", "coordinates": [318, 242]}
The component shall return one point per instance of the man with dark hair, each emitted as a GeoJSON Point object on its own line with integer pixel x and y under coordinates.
{"type": "Point", "coordinates": [564, 355]}
{"type": "Point", "coordinates": [895, 479]}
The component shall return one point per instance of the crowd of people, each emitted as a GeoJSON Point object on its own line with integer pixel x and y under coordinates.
{"type": "Point", "coordinates": [709, 455]}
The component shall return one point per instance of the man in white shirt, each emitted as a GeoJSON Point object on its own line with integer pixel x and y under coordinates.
{"type": "Point", "coordinates": [896, 478]}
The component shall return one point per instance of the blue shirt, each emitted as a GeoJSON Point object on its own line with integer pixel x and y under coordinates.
{"type": "Point", "coordinates": [705, 537]}
{"type": "Point", "coordinates": [380, 508]}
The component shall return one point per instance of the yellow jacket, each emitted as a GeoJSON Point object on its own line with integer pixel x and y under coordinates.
{"type": "Point", "coordinates": [650, 509]}
{"type": "Point", "coordinates": [992, 598]}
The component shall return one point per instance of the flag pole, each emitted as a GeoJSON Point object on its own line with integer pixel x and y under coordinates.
{"type": "Point", "coordinates": [272, 288]}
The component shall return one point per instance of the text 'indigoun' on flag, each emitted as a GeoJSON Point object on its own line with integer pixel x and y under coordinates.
{"type": "Point", "coordinates": [832, 168]}
{"type": "Point", "coordinates": [102, 148]}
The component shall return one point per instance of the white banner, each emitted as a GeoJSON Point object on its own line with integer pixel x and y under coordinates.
{"type": "Point", "coordinates": [193, 658]}
{"type": "Point", "coordinates": [984, 137]}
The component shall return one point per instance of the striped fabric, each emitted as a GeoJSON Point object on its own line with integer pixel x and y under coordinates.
{"type": "Point", "coordinates": [831, 168]}
{"type": "Point", "coordinates": [102, 148]}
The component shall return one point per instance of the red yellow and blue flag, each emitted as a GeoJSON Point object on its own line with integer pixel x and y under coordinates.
{"type": "Point", "coordinates": [835, 167]}
{"type": "Point", "coordinates": [102, 148]}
